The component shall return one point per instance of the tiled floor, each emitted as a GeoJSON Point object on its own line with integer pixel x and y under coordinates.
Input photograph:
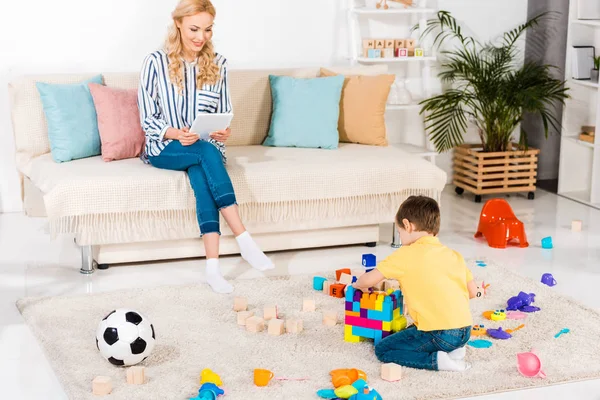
{"type": "Point", "coordinates": [32, 265]}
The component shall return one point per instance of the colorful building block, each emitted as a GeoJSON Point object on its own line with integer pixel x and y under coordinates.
{"type": "Point", "coordinates": [337, 290]}
{"type": "Point", "coordinates": [318, 282]}
{"type": "Point", "coordinates": [373, 316]}
{"type": "Point", "coordinates": [339, 272]}
{"type": "Point", "coordinates": [369, 260]}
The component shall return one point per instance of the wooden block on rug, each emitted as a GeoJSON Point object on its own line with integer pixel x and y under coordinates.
{"type": "Point", "coordinates": [240, 304]}
{"type": "Point", "coordinates": [255, 324]}
{"type": "Point", "coordinates": [326, 286]}
{"type": "Point", "coordinates": [270, 312]}
{"type": "Point", "coordinates": [242, 316]}
{"type": "Point", "coordinates": [293, 326]}
{"type": "Point", "coordinates": [308, 305]}
{"type": "Point", "coordinates": [136, 375]}
{"type": "Point", "coordinates": [101, 385]}
{"type": "Point", "coordinates": [391, 372]}
{"type": "Point", "coordinates": [276, 327]}
{"type": "Point", "coordinates": [345, 279]}
{"type": "Point", "coordinates": [330, 318]}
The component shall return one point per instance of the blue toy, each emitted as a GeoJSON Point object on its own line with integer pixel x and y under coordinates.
{"type": "Point", "coordinates": [208, 391]}
{"type": "Point", "coordinates": [480, 343]}
{"type": "Point", "coordinates": [318, 282]}
{"type": "Point", "coordinates": [547, 242]}
{"type": "Point", "coordinates": [562, 332]}
{"type": "Point", "coordinates": [369, 260]}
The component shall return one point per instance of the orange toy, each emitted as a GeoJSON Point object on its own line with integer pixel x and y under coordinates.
{"type": "Point", "coordinates": [499, 225]}
{"type": "Point", "coordinates": [343, 377]}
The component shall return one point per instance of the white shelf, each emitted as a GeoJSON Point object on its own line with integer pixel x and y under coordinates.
{"type": "Point", "coordinates": [396, 107]}
{"type": "Point", "coordinates": [395, 59]}
{"type": "Point", "coordinates": [376, 11]}
{"type": "Point", "coordinates": [588, 22]}
{"type": "Point", "coordinates": [581, 142]}
{"type": "Point", "coordinates": [589, 84]}
{"type": "Point", "coordinates": [581, 196]}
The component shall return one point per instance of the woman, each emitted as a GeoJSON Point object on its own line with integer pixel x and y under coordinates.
{"type": "Point", "coordinates": [184, 79]}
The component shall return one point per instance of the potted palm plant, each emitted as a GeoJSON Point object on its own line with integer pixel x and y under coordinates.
{"type": "Point", "coordinates": [594, 71]}
{"type": "Point", "coordinates": [491, 90]}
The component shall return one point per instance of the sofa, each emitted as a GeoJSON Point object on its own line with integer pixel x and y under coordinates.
{"type": "Point", "coordinates": [289, 198]}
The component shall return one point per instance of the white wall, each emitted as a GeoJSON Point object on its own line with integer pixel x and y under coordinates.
{"type": "Point", "coordinates": [39, 36]}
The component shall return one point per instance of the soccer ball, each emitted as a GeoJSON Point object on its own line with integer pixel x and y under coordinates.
{"type": "Point", "coordinates": [125, 337]}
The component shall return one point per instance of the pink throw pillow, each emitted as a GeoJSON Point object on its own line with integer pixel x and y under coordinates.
{"type": "Point", "coordinates": [121, 134]}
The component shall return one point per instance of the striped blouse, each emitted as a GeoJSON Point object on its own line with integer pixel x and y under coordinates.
{"type": "Point", "coordinates": [162, 105]}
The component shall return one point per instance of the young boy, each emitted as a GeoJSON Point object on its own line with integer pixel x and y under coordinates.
{"type": "Point", "coordinates": [436, 285]}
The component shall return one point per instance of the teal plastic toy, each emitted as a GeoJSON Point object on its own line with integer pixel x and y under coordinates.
{"type": "Point", "coordinates": [318, 282]}
{"type": "Point", "coordinates": [208, 391]}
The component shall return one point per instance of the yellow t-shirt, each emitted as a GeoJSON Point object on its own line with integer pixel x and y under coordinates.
{"type": "Point", "coordinates": [434, 280]}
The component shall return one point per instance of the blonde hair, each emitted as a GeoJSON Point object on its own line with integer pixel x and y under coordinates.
{"type": "Point", "coordinates": [208, 71]}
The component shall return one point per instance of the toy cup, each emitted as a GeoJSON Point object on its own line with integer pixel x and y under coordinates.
{"type": "Point", "coordinates": [262, 377]}
{"type": "Point", "coordinates": [548, 279]}
{"type": "Point", "coordinates": [530, 365]}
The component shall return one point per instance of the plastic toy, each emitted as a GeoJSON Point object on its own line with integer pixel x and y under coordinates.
{"type": "Point", "coordinates": [262, 377]}
{"type": "Point", "coordinates": [530, 309]}
{"type": "Point", "coordinates": [499, 225]}
{"type": "Point", "coordinates": [482, 289]}
{"type": "Point", "coordinates": [318, 282]}
{"type": "Point", "coordinates": [208, 376]}
{"type": "Point", "coordinates": [499, 334]}
{"type": "Point", "coordinates": [548, 279]}
{"type": "Point", "coordinates": [530, 365]}
{"type": "Point", "coordinates": [369, 260]}
{"type": "Point", "coordinates": [487, 314]}
{"type": "Point", "coordinates": [337, 290]}
{"type": "Point", "coordinates": [339, 272]}
{"type": "Point", "coordinates": [374, 316]}
{"type": "Point", "coordinates": [208, 391]}
{"type": "Point", "coordinates": [511, 331]}
{"type": "Point", "coordinates": [342, 377]}
{"type": "Point", "coordinates": [480, 343]}
{"type": "Point", "coordinates": [547, 242]}
{"type": "Point", "coordinates": [515, 315]}
{"type": "Point", "coordinates": [481, 264]}
{"type": "Point", "coordinates": [562, 332]}
{"type": "Point", "coordinates": [521, 300]}
{"type": "Point", "coordinates": [344, 392]}
{"type": "Point", "coordinates": [478, 330]}
{"type": "Point", "coordinates": [498, 315]}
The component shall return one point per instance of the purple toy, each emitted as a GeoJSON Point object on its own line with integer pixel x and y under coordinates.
{"type": "Point", "coordinates": [499, 334]}
{"type": "Point", "coordinates": [530, 309]}
{"type": "Point", "coordinates": [521, 300]}
{"type": "Point", "coordinates": [548, 279]}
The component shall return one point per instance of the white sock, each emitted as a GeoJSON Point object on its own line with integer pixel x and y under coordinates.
{"type": "Point", "coordinates": [214, 277]}
{"type": "Point", "coordinates": [458, 354]}
{"type": "Point", "coordinates": [445, 363]}
{"type": "Point", "coordinates": [252, 253]}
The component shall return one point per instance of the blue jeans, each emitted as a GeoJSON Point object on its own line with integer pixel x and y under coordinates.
{"type": "Point", "coordinates": [208, 178]}
{"type": "Point", "coordinates": [418, 349]}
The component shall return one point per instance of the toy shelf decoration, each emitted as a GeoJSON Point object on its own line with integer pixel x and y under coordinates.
{"type": "Point", "coordinates": [372, 315]}
{"type": "Point", "coordinates": [391, 48]}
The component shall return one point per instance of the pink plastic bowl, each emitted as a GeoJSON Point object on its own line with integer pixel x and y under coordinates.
{"type": "Point", "coordinates": [530, 365]}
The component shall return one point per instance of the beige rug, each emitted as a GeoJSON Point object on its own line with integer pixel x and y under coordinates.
{"type": "Point", "coordinates": [197, 329]}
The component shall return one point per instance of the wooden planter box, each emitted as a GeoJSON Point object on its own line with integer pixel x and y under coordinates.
{"type": "Point", "coordinates": [493, 173]}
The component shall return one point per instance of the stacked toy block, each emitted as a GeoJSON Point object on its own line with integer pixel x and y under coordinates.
{"type": "Point", "coordinates": [372, 315]}
{"type": "Point", "coordinates": [391, 48]}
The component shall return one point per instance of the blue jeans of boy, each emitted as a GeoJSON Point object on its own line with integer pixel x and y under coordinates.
{"type": "Point", "coordinates": [418, 349]}
{"type": "Point", "coordinates": [208, 177]}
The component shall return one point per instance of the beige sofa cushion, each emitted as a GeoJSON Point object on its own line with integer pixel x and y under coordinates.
{"type": "Point", "coordinates": [272, 184]}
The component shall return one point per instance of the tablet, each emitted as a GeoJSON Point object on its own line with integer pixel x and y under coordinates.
{"type": "Point", "coordinates": [207, 123]}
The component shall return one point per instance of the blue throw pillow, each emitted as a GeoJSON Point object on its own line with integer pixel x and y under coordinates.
{"type": "Point", "coordinates": [305, 112]}
{"type": "Point", "coordinates": [71, 118]}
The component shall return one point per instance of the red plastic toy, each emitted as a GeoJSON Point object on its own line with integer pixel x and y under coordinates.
{"type": "Point", "coordinates": [499, 225]}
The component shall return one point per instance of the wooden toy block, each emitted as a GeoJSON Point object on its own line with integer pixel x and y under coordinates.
{"type": "Point", "coordinates": [308, 305]}
{"type": "Point", "coordinates": [101, 385]}
{"type": "Point", "coordinates": [391, 372]}
{"type": "Point", "coordinates": [390, 284]}
{"type": "Point", "coordinates": [255, 324]}
{"type": "Point", "coordinates": [242, 316]}
{"type": "Point", "coordinates": [337, 290]}
{"type": "Point", "coordinates": [326, 286]}
{"type": "Point", "coordinates": [135, 375]}
{"type": "Point", "coordinates": [374, 53]}
{"type": "Point", "coordinates": [270, 312]}
{"type": "Point", "coordinates": [339, 272]}
{"type": "Point", "coordinates": [293, 326]}
{"type": "Point", "coordinates": [330, 318]}
{"type": "Point", "coordinates": [368, 44]}
{"type": "Point", "coordinates": [419, 52]}
{"type": "Point", "coordinates": [388, 53]}
{"type": "Point", "coordinates": [399, 44]}
{"type": "Point", "coordinates": [389, 43]}
{"type": "Point", "coordinates": [369, 260]}
{"type": "Point", "coordinates": [345, 279]}
{"type": "Point", "coordinates": [240, 304]}
{"type": "Point", "coordinates": [410, 44]}
{"type": "Point", "coordinates": [276, 327]}
{"type": "Point", "coordinates": [576, 225]}
{"type": "Point", "coordinates": [379, 43]}
{"type": "Point", "coordinates": [403, 52]}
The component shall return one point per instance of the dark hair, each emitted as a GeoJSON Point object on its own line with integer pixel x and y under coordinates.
{"type": "Point", "coordinates": [422, 211]}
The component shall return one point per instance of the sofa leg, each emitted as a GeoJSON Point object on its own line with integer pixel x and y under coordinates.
{"type": "Point", "coordinates": [371, 244]}
{"type": "Point", "coordinates": [87, 260]}
{"type": "Point", "coordinates": [395, 237]}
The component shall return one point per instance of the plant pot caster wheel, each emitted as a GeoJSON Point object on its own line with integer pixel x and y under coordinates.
{"type": "Point", "coordinates": [459, 190]}
{"type": "Point", "coordinates": [477, 198]}
{"type": "Point", "coordinates": [531, 195]}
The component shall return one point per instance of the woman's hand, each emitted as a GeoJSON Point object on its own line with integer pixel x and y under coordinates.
{"type": "Point", "coordinates": [186, 137]}
{"type": "Point", "coordinates": [221, 136]}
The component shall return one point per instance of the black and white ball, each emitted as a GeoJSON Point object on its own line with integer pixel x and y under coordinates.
{"type": "Point", "coordinates": [125, 337]}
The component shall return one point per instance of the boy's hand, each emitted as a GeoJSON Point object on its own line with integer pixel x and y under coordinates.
{"type": "Point", "coordinates": [368, 280]}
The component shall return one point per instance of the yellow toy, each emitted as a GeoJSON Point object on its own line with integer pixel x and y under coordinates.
{"type": "Point", "coordinates": [207, 376]}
